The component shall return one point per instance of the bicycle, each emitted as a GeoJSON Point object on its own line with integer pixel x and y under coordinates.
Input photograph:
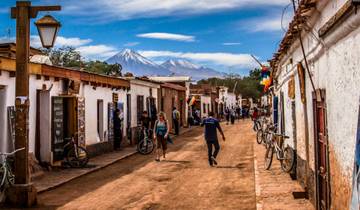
{"type": "Point", "coordinates": [7, 178]}
{"type": "Point", "coordinates": [76, 156]}
{"type": "Point", "coordinates": [285, 155]}
{"type": "Point", "coordinates": [146, 145]}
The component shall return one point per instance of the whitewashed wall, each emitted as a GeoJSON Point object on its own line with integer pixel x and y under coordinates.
{"type": "Point", "coordinates": [141, 88]}
{"type": "Point", "coordinates": [334, 66]}
{"type": "Point", "coordinates": [91, 98]}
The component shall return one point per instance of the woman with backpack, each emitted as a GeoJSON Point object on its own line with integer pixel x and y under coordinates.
{"type": "Point", "coordinates": [161, 134]}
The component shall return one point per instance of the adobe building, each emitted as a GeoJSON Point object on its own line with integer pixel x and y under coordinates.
{"type": "Point", "coordinates": [318, 99]}
{"type": "Point", "coordinates": [172, 95]}
{"type": "Point", "coordinates": [143, 95]}
{"type": "Point", "coordinates": [63, 103]}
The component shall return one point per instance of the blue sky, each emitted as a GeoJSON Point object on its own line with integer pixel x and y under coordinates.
{"type": "Point", "coordinates": [216, 33]}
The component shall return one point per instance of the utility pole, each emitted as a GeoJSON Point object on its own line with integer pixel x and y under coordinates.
{"type": "Point", "coordinates": [23, 193]}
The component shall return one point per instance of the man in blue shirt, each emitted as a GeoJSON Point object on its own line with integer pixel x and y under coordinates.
{"type": "Point", "coordinates": [211, 126]}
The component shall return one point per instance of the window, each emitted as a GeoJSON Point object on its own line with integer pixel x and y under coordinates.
{"type": "Point", "coordinates": [100, 119]}
{"type": "Point", "coordinates": [140, 107]}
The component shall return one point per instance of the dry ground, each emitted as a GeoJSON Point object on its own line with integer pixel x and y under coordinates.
{"type": "Point", "coordinates": [183, 181]}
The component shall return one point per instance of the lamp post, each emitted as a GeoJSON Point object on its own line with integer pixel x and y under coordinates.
{"type": "Point", "coordinates": [23, 193]}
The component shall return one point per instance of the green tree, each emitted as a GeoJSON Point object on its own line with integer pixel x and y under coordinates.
{"type": "Point", "coordinates": [65, 56]}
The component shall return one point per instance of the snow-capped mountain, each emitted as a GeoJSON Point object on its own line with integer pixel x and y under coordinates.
{"type": "Point", "coordinates": [184, 67]}
{"type": "Point", "coordinates": [137, 64]}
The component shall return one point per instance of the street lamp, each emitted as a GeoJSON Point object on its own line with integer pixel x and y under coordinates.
{"type": "Point", "coordinates": [23, 192]}
{"type": "Point", "coordinates": [48, 28]}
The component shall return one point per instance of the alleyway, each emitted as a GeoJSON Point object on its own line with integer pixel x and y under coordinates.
{"type": "Point", "coordinates": [183, 181]}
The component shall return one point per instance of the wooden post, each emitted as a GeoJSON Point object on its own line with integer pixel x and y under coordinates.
{"type": "Point", "coordinates": [23, 193]}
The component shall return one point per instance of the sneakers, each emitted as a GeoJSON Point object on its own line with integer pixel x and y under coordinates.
{"type": "Point", "coordinates": [214, 160]}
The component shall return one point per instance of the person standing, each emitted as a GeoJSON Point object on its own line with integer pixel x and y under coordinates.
{"type": "Point", "coordinates": [161, 133]}
{"type": "Point", "coordinates": [211, 126]}
{"type": "Point", "coordinates": [227, 115]}
{"type": "Point", "coordinates": [176, 120]}
{"type": "Point", "coordinates": [117, 129]}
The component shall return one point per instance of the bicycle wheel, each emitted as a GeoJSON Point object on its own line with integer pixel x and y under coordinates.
{"type": "Point", "coordinates": [259, 136]}
{"type": "Point", "coordinates": [269, 157]}
{"type": "Point", "coordinates": [289, 160]}
{"type": "Point", "coordinates": [147, 148]}
{"type": "Point", "coordinates": [77, 159]}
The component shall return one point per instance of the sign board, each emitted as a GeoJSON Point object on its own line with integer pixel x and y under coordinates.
{"type": "Point", "coordinates": [81, 121]}
{"type": "Point", "coordinates": [111, 109]}
{"type": "Point", "coordinates": [57, 145]}
{"type": "Point", "coordinates": [11, 122]}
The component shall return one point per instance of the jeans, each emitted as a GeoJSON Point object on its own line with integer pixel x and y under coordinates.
{"type": "Point", "coordinates": [210, 149]}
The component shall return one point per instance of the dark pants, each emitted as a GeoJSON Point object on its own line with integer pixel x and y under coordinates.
{"type": "Point", "coordinates": [210, 149]}
{"type": "Point", "coordinates": [117, 139]}
{"type": "Point", "coordinates": [176, 126]}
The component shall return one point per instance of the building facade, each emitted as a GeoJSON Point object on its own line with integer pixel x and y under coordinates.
{"type": "Point", "coordinates": [63, 103]}
{"type": "Point", "coordinates": [318, 98]}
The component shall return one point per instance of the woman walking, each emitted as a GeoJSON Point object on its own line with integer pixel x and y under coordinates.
{"type": "Point", "coordinates": [161, 134]}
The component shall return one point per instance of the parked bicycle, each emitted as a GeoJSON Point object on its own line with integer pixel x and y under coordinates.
{"type": "Point", "coordinates": [7, 178]}
{"type": "Point", "coordinates": [76, 156]}
{"type": "Point", "coordinates": [284, 154]}
{"type": "Point", "coordinates": [264, 128]}
{"type": "Point", "coordinates": [146, 145]}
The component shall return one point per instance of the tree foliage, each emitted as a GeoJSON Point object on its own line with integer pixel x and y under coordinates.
{"type": "Point", "coordinates": [248, 86]}
{"type": "Point", "coordinates": [69, 57]}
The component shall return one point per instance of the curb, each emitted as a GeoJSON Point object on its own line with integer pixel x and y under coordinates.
{"type": "Point", "coordinates": [87, 172]}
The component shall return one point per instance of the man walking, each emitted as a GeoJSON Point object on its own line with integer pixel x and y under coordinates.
{"type": "Point", "coordinates": [211, 126]}
{"type": "Point", "coordinates": [176, 119]}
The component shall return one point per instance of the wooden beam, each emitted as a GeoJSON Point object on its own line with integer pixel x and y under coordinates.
{"type": "Point", "coordinates": [342, 13]}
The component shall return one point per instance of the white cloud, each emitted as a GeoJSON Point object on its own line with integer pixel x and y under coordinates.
{"type": "Point", "coordinates": [218, 58]}
{"type": "Point", "coordinates": [131, 44]}
{"type": "Point", "coordinates": [268, 23]}
{"type": "Point", "coordinates": [168, 36]}
{"type": "Point", "coordinates": [131, 9]}
{"type": "Point", "coordinates": [60, 41]}
{"type": "Point", "coordinates": [97, 52]}
{"type": "Point", "coordinates": [231, 43]}
{"type": "Point", "coordinates": [91, 52]}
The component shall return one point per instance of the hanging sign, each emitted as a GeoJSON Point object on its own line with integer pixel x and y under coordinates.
{"type": "Point", "coordinates": [81, 121]}
{"type": "Point", "coordinates": [58, 128]}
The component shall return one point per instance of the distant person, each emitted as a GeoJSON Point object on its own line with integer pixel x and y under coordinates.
{"type": "Point", "coordinates": [232, 115]}
{"type": "Point", "coordinates": [227, 115]}
{"type": "Point", "coordinates": [238, 112]}
{"type": "Point", "coordinates": [176, 120]}
{"type": "Point", "coordinates": [211, 126]}
{"type": "Point", "coordinates": [117, 129]}
{"type": "Point", "coordinates": [255, 117]}
{"type": "Point", "coordinates": [161, 134]}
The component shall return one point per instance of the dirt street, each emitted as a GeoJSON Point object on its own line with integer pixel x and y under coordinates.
{"type": "Point", "coordinates": [183, 181]}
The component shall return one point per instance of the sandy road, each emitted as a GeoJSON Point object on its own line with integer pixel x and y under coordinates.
{"type": "Point", "coordinates": [183, 181]}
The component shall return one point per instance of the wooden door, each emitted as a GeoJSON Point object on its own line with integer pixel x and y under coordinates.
{"type": "Point", "coordinates": [322, 170]}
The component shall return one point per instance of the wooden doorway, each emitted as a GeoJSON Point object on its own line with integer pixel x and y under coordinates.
{"type": "Point", "coordinates": [322, 170]}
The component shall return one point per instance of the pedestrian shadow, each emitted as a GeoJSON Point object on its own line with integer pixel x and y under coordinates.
{"type": "Point", "coordinates": [238, 166]}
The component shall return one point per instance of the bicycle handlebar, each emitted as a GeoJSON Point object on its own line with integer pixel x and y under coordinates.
{"type": "Point", "coordinates": [12, 153]}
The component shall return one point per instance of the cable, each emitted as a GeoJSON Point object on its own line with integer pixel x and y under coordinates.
{"type": "Point", "coordinates": [302, 48]}
{"type": "Point", "coordinates": [282, 17]}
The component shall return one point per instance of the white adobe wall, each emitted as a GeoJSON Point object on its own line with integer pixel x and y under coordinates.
{"type": "Point", "coordinates": [141, 88]}
{"type": "Point", "coordinates": [231, 100]}
{"type": "Point", "coordinates": [91, 98]}
{"type": "Point", "coordinates": [335, 69]}
{"type": "Point", "coordinates": [7, 99]}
